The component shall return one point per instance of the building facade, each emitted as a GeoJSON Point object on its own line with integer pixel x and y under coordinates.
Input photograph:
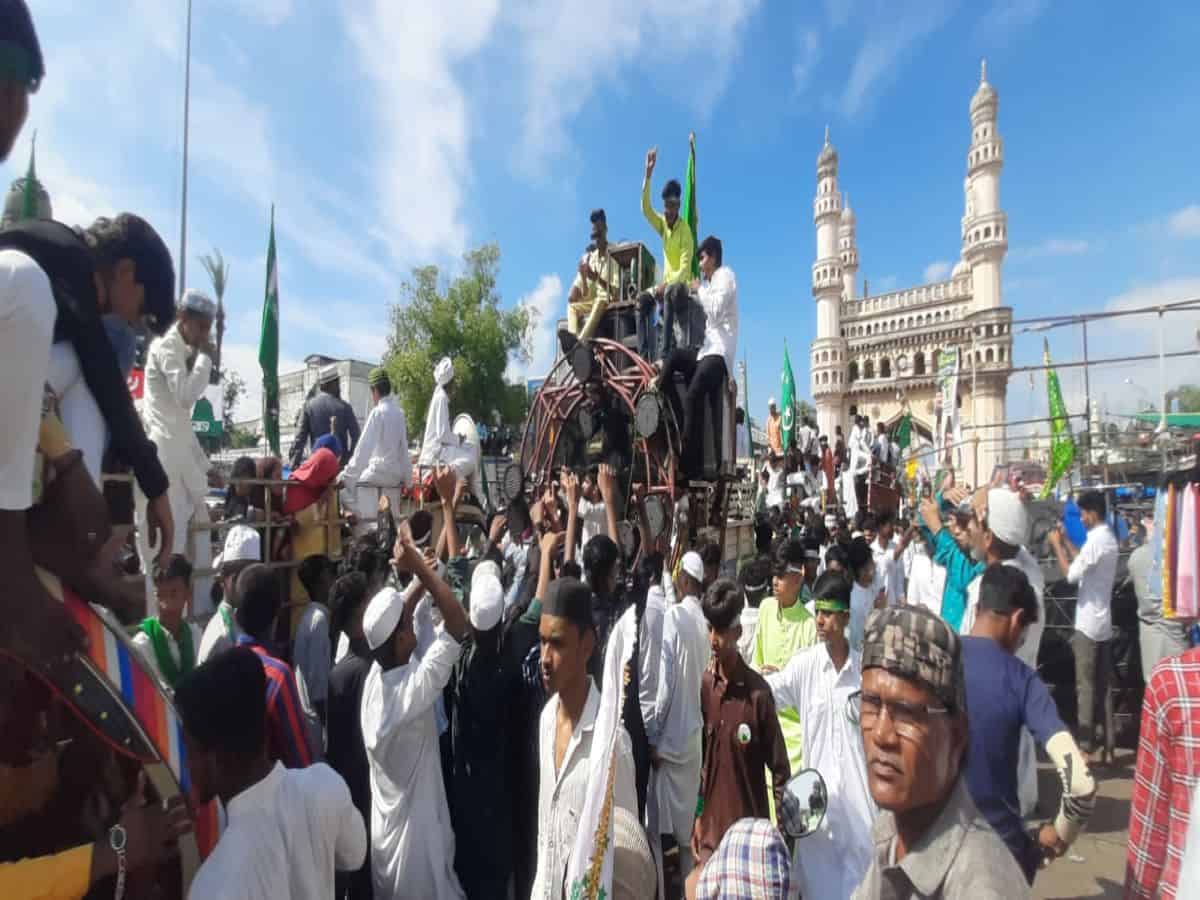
{"type": "Point", "coordinates": [878, 354]}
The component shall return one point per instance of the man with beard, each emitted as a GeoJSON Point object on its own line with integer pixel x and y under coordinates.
{"type": "Point", "coordinates": [930, 840]}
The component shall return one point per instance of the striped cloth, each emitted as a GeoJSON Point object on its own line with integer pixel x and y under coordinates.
{"type": "Point", "coordinates": [1167, 773]}
{"type": "Point", "coordinates": [751, 863]}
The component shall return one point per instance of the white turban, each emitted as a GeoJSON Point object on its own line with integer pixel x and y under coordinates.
{"type": "Point", "coordinates": [487, 597]}
{"type": "Point", "coordinates": [381, 617]}
{"type": "Point", "coordinates": [1007, 517]}
{"type": "Point", "coordinates": [443, 372]}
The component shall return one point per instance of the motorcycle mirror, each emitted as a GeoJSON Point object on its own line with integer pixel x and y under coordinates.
{"type": "Point", "coordinates": [804, 804]}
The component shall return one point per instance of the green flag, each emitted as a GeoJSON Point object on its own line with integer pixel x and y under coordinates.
{"type": "Point", "coordinates": [687, 210]}
{"type": "Point", "coordinates": [1062, 442]}
{"type": "Point", "coordinates": [268, 347]}
{"type": "Point", "coordinates": [903, 433]}
{"type": "Point", "coordinates": [788, 399]}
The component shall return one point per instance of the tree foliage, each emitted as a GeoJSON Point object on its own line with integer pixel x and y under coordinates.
{"type": "Point", "coordinates": [462, 320]}
{"type": "Point", "coordinates": [233, 388]}
{"type": "Point", "coordinates": [1187, 398]}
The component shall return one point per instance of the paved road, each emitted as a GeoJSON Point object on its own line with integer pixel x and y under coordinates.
{"type": "Point", "coordinates": [1095, 866]}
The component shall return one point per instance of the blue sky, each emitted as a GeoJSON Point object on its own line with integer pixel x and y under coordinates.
{"type": "Point", "coordinates": [394, 134]}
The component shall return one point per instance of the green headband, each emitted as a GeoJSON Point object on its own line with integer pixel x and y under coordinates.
{"type": "Point", "coordinates": [17, 64]}
{"type": "Point", "coordinates": [832, 606]}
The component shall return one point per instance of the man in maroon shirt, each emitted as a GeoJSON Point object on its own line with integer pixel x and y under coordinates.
{"type": "Point", "coordinates": [741, 730]}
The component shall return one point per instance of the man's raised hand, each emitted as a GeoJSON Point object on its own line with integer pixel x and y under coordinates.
{"type": "Point", "coordinates": [651, 159]}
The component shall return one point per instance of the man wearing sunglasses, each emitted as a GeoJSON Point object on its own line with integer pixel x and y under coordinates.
{"type": "Point", "coordinates": [930, 840]}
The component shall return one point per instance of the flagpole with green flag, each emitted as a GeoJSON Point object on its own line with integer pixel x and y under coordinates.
{"type": "Point", "coordinates": [1062, 442]}
{"type": "Point", "coordinates": [688, 211]}
{"type": "Point", "coordinates": [788, 399]}
{"type": "Point", "coordinates": [268, 346]}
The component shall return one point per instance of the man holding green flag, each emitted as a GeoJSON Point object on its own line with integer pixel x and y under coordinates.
{"type": "Point", "coordinates": [789, 400]}
{"type": "Point", "coordinates": [268, 347]}
{"type": "Point", "coordinates": [1062, 442]}
{"type": "Point", "coordinates": [680, 261]}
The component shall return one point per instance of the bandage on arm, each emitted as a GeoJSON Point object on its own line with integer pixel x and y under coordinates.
{"type": "Point", "coordinates": [1079, 788]}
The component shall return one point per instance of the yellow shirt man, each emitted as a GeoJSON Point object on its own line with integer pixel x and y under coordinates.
{"type": "Point", "coordinates": [677, 240]}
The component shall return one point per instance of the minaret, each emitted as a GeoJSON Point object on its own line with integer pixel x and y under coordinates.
{"type": "Point", "coordinates": [848, 250]}
{"type": "Point", "coordinates": [985, 242]}
{"type": "Point", "coordinates": [27, 198]}
{"type": "Point", "coordinates": [829, 349]}
{"type": "Point", "coordinates": [985, 226]}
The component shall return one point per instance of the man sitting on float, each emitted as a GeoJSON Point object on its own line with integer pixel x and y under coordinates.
{"type": "Point", "coordinates": [596, 285]}
{"type": "Point", "coordinates": [705, 370]}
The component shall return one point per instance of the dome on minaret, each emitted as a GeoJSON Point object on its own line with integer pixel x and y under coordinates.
{"type": "Point", "coordinates": [848, 217]}
{"type": "Point", "coordinates": [985, 95]}
{"type": "Point", "coordinates": [962, 267]}
{"type": "Point", "coordinates": [828, 156]}
{"type": "Point", "coordinates": [27, 198]}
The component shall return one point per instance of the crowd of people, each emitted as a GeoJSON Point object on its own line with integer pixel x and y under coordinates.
{"type": "Point", "coordinates": [384, 704]}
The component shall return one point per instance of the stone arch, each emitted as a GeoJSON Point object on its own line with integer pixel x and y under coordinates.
{"type": "Point", "coordinates": [990, 356]}
{"type": "Point", "coordinates": [885, 368]}
{"type": "Point", "coordinates": [869, 368]}
{"type": "Point", "coordinates": [919, 363]}
{"type": "Point", "coordinates": [852, 372]}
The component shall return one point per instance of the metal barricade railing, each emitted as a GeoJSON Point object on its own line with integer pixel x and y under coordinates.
{"type": "Point", "coordinates": [269, 525]}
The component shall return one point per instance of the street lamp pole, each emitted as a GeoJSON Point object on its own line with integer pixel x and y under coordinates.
{"type": "Point", "coordinates": [187, 97]}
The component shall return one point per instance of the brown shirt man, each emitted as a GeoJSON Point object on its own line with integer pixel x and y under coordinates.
{"type": "Point", "coordinates": [741, 741]}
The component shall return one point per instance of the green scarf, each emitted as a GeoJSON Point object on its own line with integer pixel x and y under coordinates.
{"type": "Point", "coordinates": [171, 672]}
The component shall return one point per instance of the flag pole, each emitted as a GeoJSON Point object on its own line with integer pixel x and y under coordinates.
{"type": "Point", "coordinates": [187, 92]}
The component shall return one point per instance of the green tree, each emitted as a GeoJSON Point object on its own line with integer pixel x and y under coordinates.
{"type": "Point", "coordinates": [233, 388]}
{"type": "Point", "coordinates": [218, 272]}
{"type": "Point", "coordinates": [462, 320]}
{"type": "Point", "coordinates": [1187, 398]}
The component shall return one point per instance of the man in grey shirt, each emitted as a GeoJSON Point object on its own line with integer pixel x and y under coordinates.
{"type": "Point", "coordinates": [930, 839]}
{"type": "Point", "coordinates": [1158, 637]}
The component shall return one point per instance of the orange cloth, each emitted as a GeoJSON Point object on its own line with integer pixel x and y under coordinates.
{"type": "Point", "coordinates": [63, 876]}
{"type": "Point", "coordinates": [308, 482]}
{"type": "Point", "coordinates": [775, 433]}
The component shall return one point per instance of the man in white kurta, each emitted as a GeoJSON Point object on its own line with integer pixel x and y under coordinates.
{"type": "Point", "coordinates": [177, 370]}
{"type": "Point", "coordinates": [678, 744]}
{"type": "Point", "coordinates": [830, 862]}
{"type": "Point", "coordinates": [412, 843]}
{"type": "Point", "coordinates": [380, 465]}
{"type": "Point", "coordinates": [440, 444]}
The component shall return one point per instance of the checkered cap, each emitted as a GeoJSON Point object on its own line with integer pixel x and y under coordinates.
{"type": "Point", "coordinates": [751, 863]}
{"type": "Point", "coordinates": [913, 643]}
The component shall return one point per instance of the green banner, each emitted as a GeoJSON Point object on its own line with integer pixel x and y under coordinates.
{"type": "Point", "coordinates": [788, 400]}
{"type": "Point", "coordinates": [268, 347]}
{"type": "Point", "coordinates": [1062, 442]}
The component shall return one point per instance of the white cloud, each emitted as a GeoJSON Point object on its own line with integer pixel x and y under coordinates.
{"type": "Point", "coordinates": [1185, 223]}
{"type": "Point", "coordinates": [808, 54]}
{"type": "Point", "coordinates": [567, 48]}
{"type": "Point", "coordinates": [891, 32]}
{"type": "Point", "coordinates": [838, 12]}
{"type": "Point", "coordinates": [1006, 15]}
{"type": "Point", "coordinates": [545, 305]}
{"type": "Point", "coordinates": [1053, 247]}
{"type": "Point", "coordinates": [408, 51]}
{"type": "Point", "coordinates": [264, 12]}
{"type": "Point", "coordinates": [939, 270]}
{"type": "Point", "coordinates": [243, 359]}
